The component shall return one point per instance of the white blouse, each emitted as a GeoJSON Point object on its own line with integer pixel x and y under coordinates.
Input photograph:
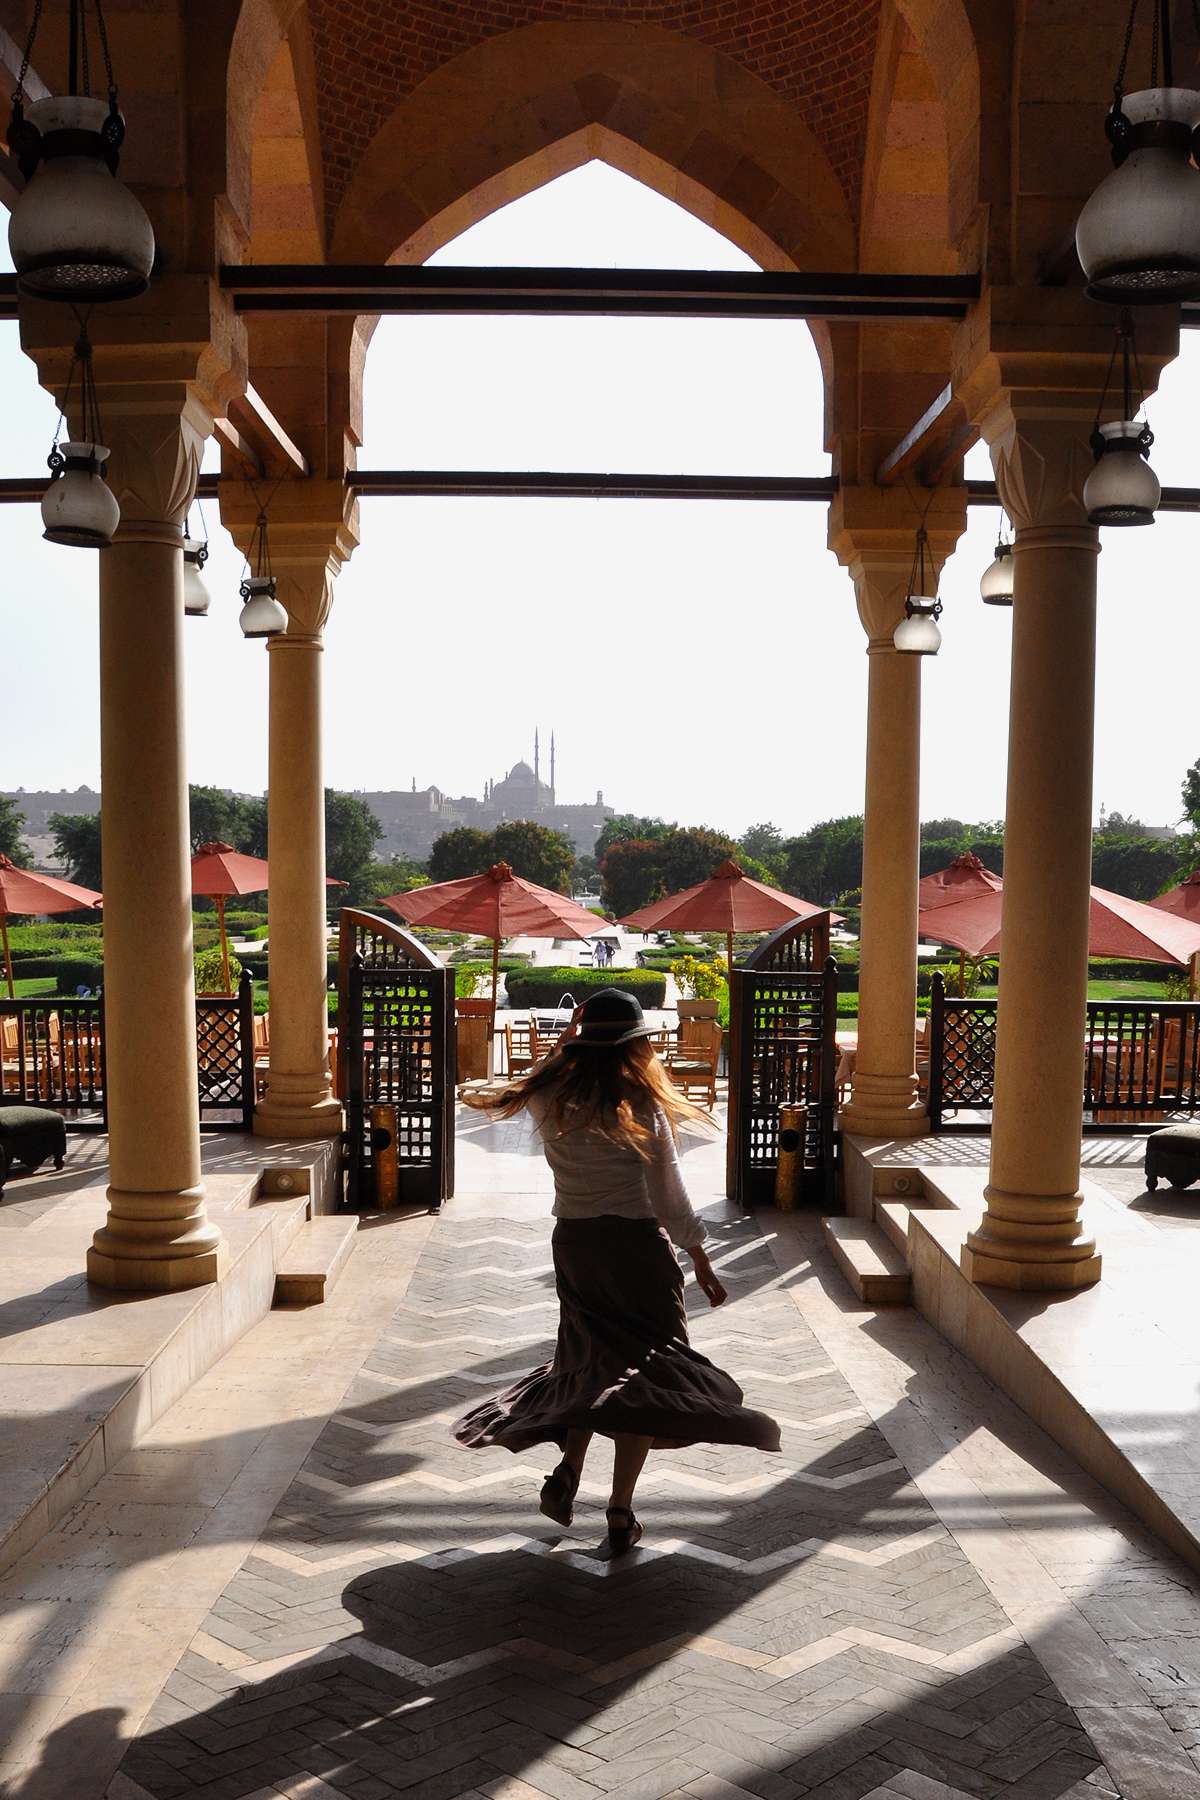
{"type": "Point", "coordinates": [593, 1176]}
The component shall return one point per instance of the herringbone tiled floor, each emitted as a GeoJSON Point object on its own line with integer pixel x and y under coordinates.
{"type": "Point", "coordinates": [795, 1625]}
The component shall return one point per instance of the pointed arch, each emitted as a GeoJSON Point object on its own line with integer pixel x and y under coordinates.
{"type": "Point", "coordinates": [519, 109]}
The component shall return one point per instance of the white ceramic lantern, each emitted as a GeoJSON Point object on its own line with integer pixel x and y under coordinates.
{"type": "Point", "coordinates": [196, 597]}
{"type": "Point", "coordinates": [1138, 237]}
{"type": "Point", "coordinates": [78, 506]}
{"type": "Point", "coordinates": [1122, 488]}
{"type": "Point", "coordinates": [263, 616]}
{"type": "Point", "coordinates": [917, 634]}
{"type": "Point", "coordinates": [76, 233]}
{"type": "Point", "coordinates": [996, 582]}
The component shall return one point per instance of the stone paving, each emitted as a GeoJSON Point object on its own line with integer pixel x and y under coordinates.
{"type": "Point", "coordinates": [300, 1586]}
{"type": "Point", "coordinates": [408, 1624]}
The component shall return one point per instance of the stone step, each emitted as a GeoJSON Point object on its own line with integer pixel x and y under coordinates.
{"type": "Point", "coordinates": [318, 1254]}
{"type": "Point", "coordinates": [288, 1214]}
{"type": "Point", "coordinates": [892, 1216]}
{"type": "Point", "coordinates": [872, 1265]}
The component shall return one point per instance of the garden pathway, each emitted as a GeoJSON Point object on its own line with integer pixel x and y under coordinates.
{"type": "Point", "coordinates": [919, 1599]}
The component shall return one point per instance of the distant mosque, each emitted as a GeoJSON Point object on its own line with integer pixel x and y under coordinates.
{"type": "Point", "coordinates": [412, 822]}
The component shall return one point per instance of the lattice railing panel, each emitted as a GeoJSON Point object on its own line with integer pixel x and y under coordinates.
{"type": "Point", "coordinates": [969, 1056]}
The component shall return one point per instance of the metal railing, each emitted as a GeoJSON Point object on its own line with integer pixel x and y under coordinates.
{"type": "Point", "coordinates": [1139, 1063]}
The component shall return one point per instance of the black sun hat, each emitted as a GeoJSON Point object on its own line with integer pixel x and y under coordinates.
{"type": "Point", "coordinates": [610, 1017]}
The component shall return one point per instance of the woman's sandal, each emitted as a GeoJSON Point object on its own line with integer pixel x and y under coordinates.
{"type": "Point", "coordinates": [622, 1537]}
{"type": "Point", "coordinates": [558, 1494]}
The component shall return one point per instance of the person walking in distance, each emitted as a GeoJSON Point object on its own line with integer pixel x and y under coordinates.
{"type": "Point", "coordinates": [623, 1367]}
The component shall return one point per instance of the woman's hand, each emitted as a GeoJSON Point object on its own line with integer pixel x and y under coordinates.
{"type": "Point", "coordinates": [707, 1277]}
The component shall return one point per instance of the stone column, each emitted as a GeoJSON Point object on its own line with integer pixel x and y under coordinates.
{"type": "Point", "coordinates": [1031, 1236]}
{"type": "Point", "coordinates": [873, 533]}
{"type": "Point", "coordinates": [157, 1234]}
{"type": "Point", "coordinates": [311, 534]}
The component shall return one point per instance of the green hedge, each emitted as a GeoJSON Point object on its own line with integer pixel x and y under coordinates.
{"type": "Point", "coordinates": [546, 987]}
{"type": "Point", "coordinates": [67, 972]}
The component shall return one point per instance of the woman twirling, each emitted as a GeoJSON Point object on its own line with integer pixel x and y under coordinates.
{"type": "Point", "coordinates": [607, 1116]}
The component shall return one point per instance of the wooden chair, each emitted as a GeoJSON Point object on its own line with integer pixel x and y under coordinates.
{"type": "Point", "coordinates": [692, 1067]}
{"type": "Point", "coordinates": [921, 1048]}
{"type": "Point", "coordinates": [261, 1036]}
{"type": "Point", "coordinates": [520, 1039]}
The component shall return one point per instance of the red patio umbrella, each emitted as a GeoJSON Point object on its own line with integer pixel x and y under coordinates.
{"type": "Point", "coordinates": [219, 872]}
{"type": "Point", "coordinates": [21, 891]}
{"type": "Point", "coordinates": [496, 905]}
{"type": "Point", "coordinates": [1117, 927]}
{"type": "Point", "coordinates": [964, 879]}
{"type": "Point", "coordinates": [728, 901]}
{"type": "Point", "coordinates": [1184, 901]}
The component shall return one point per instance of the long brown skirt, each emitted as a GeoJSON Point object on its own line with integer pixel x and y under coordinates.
{"type": "Point", "coordinates": [623, 1362]}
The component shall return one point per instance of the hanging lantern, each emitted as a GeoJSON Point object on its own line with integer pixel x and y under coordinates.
{"type": "Point", "coordinates": [996, 582]}
{"type": "Point", "coordinates": [1138, 236]}
{"type": "Point", "coordinates": [262, 614]}
{"type": "Point", "coordinates": [917, 634]}
{"type": "Point", "coordinates": [196, 596]}
{"type": "Point", "coordinates": [76, 233]}
{"type": "Point", "coordinates": [78, 506]}
{"type": "Point", "coordinates": [1122, 489]}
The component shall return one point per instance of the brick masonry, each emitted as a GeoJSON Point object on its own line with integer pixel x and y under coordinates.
{"type": "Point", "coordinates": [800, 1625]}
{"type": "Point", "coordinates": [816, 54]}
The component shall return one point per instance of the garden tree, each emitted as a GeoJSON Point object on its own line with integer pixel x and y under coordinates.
{"type": "Point", "coordinates": [252, 829]}
{"type": "Point", "coordinates": [826, 861]}
{"type": "Point", "coordinates": [77, 846]}
{"type": "Point", "coordinates": [535, 853]}
{"type": "Point", "coordinates": [12, 844]}
{"type": "Point", "coordinates": [622, 828]}
{"type": "Point", "coordinates": [945, 831]}
{"type": "Point", "coordinates": [217, 817]}
{"type": "Point", "coordinates": [585, 871]}
{"type": "Point", "coordinates": [1191, 796]}
{"type": "Point", "coordinates": [764, 844]}
{"type": "Point", "coordinates": [456, 854]}
{"type": "Point", "coordinates": [351, 834]}
{"type": "Point", "coordinates": [631, 875]}
{"type": "Point", "coordinates": [1139, 867]}
{"type": "Point", "coordinates": [399, 876]}
{"type": "Point", "coordinates": [1118, 825]}
{"type": "Point", "coordinates": [689, 855]}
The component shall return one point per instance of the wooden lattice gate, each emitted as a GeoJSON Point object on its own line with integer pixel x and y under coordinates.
{"type": "Point", "coordinates": [782, 1052]}
{"type": "Point", "coordinates": [395, 1061]}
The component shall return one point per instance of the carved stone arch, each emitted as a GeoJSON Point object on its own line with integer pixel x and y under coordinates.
{"type": "Point", "coordinates": [519, 109]}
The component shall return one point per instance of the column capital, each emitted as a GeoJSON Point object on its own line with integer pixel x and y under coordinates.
{"type": "Point", "coordinates": [165, 366]}
{"type": "Point", "coordinates": [873, 534]}
{"type": "Point", "coordinates": [313, 530]}
{"type": "Point", "coordinates": [1030, 368]}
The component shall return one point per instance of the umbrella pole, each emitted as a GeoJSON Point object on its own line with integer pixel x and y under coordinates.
{"type": "Point", "coordinates": [12, 992]}
{"type": "Point", "coordinates": [962, 974]}
{"type": "Point", "coordinates": [224, 943]}
{"type": "Point", "coordinates": [728, 954]}
{"type": "Point", "coordinates": [495, 987]}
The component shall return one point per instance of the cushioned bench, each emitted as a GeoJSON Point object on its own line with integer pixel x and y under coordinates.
{"type": "Point", "coordinates": [28, 1135]}
{"type": "Point", "coordinates": [1174, 1155]}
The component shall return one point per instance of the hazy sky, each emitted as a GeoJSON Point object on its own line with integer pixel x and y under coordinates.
{"type": "Point", "coordinates": [702, 660]}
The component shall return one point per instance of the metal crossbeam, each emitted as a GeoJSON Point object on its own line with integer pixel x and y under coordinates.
{"type": "Point", "coordinates": [652, 293]}
{"type": "Point", "coordinates": [502, 484]}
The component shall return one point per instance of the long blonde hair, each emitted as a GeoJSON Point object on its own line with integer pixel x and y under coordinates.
{"type": "Point", "coordinates": [615, 1090]}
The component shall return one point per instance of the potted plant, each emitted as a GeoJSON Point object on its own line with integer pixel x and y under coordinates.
{"type": "Point", "coordinates": [701, 985]}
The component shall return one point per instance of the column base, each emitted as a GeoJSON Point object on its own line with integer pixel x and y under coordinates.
{"type": "Point", "coordinates": [295, 1118]}
{"type": "Point", "coordinates": [167, 1274]}
{"type": "Point", "coordinates": [1031, 1242]}
{"type": "Point", "coordinates": [884, 1106]}
{"type": "Point", "coordinates": [155, 1242]}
